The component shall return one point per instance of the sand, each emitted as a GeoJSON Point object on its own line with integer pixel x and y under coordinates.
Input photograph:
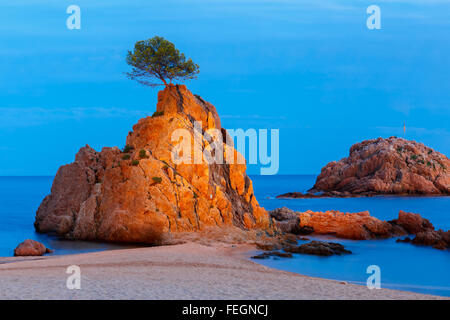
{"type": "Point", "coordinates": [185, 271]}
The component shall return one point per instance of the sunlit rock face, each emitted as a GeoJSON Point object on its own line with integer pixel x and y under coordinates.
{"type": "Point", "coordinates": [387, 166]}
{"type": "Point", "coordinates": [356, 226]}
{"type": "Point", "coordinates": [136, 194]}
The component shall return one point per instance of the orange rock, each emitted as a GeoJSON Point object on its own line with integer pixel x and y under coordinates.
{"type": "Point", "coordinates": [357, 226]}
{"type": "Point", "coordinates": [31, 248]}
{"type": "Point", "coordinates": [387, 166]}
{"type": "Point", "coordinates": [142, 195]}
{"type": "Point", "coordinates": [361, 226]}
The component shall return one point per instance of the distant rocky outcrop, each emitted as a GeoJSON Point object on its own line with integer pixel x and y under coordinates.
{"type": "Point", "coordinates": [391, 166]}
{"type": "Point", "coordinates": [31, 248]}
{"type": "Point", "coordinates": [140, 194]}
{"type": "Point", "coordinates": [387, 166]}
{"type": "Point", "coordinates": [362, 226]}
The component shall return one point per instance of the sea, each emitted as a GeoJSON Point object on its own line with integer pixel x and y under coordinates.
{"type": "Point", "coordinates": [400, 266]}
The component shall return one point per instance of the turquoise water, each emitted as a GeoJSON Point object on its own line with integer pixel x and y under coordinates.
{"type": "Point", "coordinates": [403, 266]}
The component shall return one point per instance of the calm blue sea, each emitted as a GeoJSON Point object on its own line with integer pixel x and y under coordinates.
{"type": "Point", "coordinates": [19, 199]}
{"type": "Point", "coordinates": [403, 266]}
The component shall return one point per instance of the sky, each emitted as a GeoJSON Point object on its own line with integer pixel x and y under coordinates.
{"type": "Point", "coordinates": [310, 68]}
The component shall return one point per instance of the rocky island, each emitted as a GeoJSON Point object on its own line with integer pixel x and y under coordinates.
{"type": "Point", "coordinates": [139, 194]}
{"type": "Point", "coordinates": [392, 166]}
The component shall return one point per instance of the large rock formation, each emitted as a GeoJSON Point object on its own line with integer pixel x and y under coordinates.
{"type": "Point", "coordinates": [386, 166]}
{"type": "Point", "coordinates": [137, 194]}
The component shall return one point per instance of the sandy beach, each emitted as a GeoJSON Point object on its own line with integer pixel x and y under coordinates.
{"type": "Point", "coordinates": [184, 271]}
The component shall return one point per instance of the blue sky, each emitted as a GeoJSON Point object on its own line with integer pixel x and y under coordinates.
{"type": "Point", "coordinates": [309, 68]}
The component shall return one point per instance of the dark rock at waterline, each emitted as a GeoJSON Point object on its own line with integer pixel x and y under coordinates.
{"type": "Point", "coordinates": [320, 248]}
{"type": "Point", "coordinates": [306, 230]}
{"type": "Point", "coordinates": [266, 255]}
{"type": "Point", "coordinates": [283, 214]}
{"type": "Point", "coordinates": [407, 239]}
{"type": "Point", "coordinates": [268, 246]}
{"type": "Point", "coordinates": [437, 239]}
{"type": "Point", "coordinates": [424, 231]}
{"type": "Point", "coordinates": [312, 195]}
{"type": "Point", "coordinates": [287, 221]}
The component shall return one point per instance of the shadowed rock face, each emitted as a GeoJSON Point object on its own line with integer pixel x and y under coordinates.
{"type": "Point", "coordinates": [139, 195]}
{"type": "Point", "coordinates": [387, 166]}
{"type": "Point", "coordinates": [424, 231]}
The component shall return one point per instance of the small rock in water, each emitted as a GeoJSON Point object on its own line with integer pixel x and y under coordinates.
{"type": "Point", "coordinates": [31, 248]}
{"type": "Point", "coordinates": [320, 248]}
{"type": "Point", "coordinates": [266, 255]}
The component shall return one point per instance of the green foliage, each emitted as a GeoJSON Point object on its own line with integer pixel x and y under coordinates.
{"type": "Point", "coordinates": [157, 179]}
{"type": "Point", "coordinates": [414, 157]}
{"type": "Point", "coordinates": [127, 148]}
{"type": "Point", "coordinates": [157, 58]}
{"type": "Point", "coordinates": [143, 154]}
{"type": "Point", "coordinates": [134, 162]}
{"type": "Point", "coordinates": [430, 151]}
{"type": "Point", "coordinates": [195, 195]}
{"type": "Point", "coordinates": [126, 157]}
{"type": "Point", "coordinates": [428, 164]}
{"type": "Point", "coordinates": [157, 114]}
{"type": "Point", "coordinates": [399, 149]}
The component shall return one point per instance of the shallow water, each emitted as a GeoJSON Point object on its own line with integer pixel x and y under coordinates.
{"type": "Point", "coordinates": [403, 266]}
{"type": "Point", "coordinates": [19, 199]}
